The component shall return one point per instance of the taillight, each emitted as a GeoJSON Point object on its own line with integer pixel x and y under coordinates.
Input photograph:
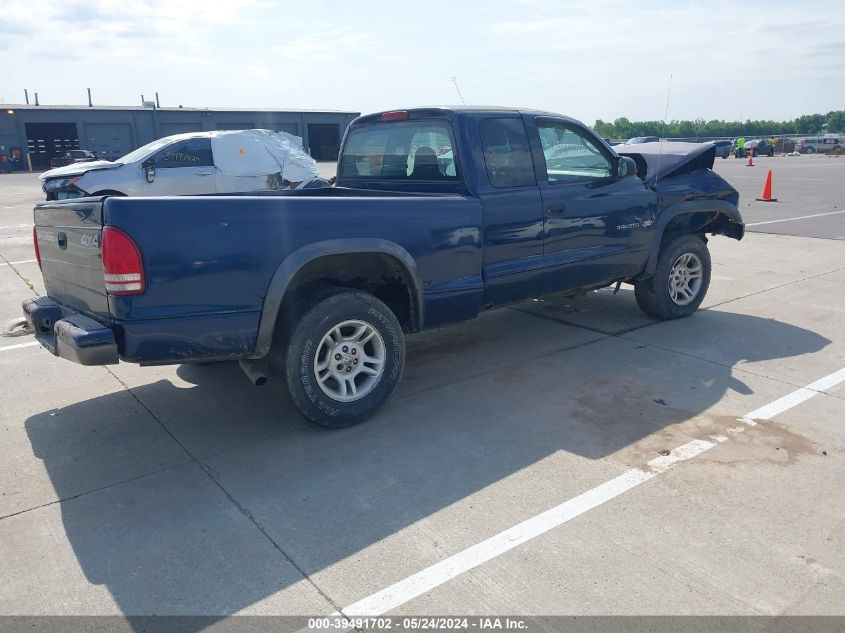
{"type": "Point", "coordinates": [35, 245]}
{"type": "Point", "coordinates": [123, 268]}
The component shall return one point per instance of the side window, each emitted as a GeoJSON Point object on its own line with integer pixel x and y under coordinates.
{"type": "Point", "coordinates": [506, 152]}
{"type": "Point", "coordinates": [570, 154]}
{"type": "Point", "coordinates": [192, 152]}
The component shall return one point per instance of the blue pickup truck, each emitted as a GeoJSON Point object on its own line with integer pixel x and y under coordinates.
{"type": "Point", "coordinates": [437, 214]}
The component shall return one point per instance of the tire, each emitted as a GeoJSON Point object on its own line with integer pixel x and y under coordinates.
{"type": "Point", "coordinates": [810, 150]}
{"type": "Point", "coordinates": [659, 296]}
{"type": "Point", "coordinates": [322, 357]}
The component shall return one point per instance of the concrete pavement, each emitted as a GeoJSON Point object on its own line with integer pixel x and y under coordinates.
{"type": "Point", "coordinates": [185, 490]}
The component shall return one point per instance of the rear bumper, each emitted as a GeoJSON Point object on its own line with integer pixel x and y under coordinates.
{"type": "Point", "coordinates": [70, 335]}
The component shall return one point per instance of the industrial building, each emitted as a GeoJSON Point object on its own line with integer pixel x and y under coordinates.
{"type": "Point", "coordinates": [30, 135]}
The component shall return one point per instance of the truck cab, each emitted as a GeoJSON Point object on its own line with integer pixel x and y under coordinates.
{"type": "Point", "coordinates": [554, 195]}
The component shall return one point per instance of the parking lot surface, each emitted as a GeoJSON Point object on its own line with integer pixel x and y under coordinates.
{"type": "Point", "coordinates": [558, 457]}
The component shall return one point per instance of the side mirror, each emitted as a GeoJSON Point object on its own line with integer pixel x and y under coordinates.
{"type": "Point", "coordinates": [149, 170]}
{"type": "Point", "coordinates": [626, 166]}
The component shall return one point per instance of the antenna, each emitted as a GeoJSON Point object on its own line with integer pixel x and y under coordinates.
{"type": "Point", "coordinates": [665, 116]}
{"type": "Point", "coordinates": [460, 96]}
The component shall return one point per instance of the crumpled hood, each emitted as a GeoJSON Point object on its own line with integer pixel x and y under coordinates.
{"type": "Point", "coordinates": [74, 169]}
{"type": "Point", "coordinates": [671, 156]}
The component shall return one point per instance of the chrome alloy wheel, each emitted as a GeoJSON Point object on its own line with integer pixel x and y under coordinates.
{"type": "Point", "coordinates": [350, 361]}
{"type": "Point", "coordinates": [685, 279]}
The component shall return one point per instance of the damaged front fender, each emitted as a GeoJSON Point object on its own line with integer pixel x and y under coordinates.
{"type": "Point", "coordinates": [717, 217]}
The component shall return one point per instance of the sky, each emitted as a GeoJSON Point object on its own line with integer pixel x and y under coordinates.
{"type": "Point", "coordinates": [730, 60]}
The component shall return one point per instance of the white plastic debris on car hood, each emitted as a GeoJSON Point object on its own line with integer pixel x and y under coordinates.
{"type": "Point", "coordinates": [261, 152]}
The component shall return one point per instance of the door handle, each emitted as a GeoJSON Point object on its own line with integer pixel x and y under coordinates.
{"type": "Point", "coordinates": [204, 173]}
{"type": "Point", "coordinates": [556, 211]}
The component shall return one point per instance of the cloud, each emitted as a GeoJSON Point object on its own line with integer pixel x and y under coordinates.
{"type": "Point", "coordinates": [8, 27]}
{"type": "Point", "coordinates": [87, 13]}
{"type": "Point", "coordinates": [322, 46]}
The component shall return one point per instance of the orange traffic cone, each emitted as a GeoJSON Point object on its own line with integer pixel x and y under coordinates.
{"type": "Point", "coordinates": [750, 162]}
{"type": "Point", "coordinates": [767, 189]}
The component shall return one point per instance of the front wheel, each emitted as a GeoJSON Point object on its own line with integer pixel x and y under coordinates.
{"type": "Point", "coordinates": [344, 359]}
{"type": "Point", "coordinates": [680, 280]}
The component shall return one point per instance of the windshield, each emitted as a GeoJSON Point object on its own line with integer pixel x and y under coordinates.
{"type": "Point", "coordinates": [145, 150]}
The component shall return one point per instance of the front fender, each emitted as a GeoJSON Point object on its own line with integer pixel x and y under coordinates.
{"type": "Point", "coordinates": [297, 259]}
{"type": "Point", "coordinates": [108, 179]}
{"type": "Point", "coordinates": [733, 224]}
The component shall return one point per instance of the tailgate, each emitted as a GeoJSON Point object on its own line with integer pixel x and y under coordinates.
{"type": "Point", "coordinates": [68, 234]}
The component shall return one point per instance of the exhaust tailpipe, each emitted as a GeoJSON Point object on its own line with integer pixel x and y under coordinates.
{"type": "Point", "coordinates": [253, 371]}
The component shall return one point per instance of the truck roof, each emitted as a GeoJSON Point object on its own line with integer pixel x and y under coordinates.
{"type": "Point", "coordinates": [448, 111]}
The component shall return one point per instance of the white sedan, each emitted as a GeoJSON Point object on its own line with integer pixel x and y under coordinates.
{"type": "Point", "coordinates": [190, 164]}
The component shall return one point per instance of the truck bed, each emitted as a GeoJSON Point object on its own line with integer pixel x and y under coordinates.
{"type": "Point", "coordinates": [210, 260]}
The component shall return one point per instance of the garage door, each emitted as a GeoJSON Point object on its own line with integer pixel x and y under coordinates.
{"type": "Point", "coordinates": [324, 140]}
{"type": "Point", "coordinates": [49, 140]}
{"type": "Point", "coordinates": [109, 140]}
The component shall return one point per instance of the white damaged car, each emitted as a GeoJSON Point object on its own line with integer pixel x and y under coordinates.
{"type": "Point", "coordinates": [190, 164]}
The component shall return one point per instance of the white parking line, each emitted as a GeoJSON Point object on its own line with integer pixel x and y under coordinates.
{"type": "Point", "coordinates": [796, 397]}
{"type": "Point", "coordinates": [432, 577]}
{"type": "Point", "coordinates": [19, 345]}
{"type": "Point", "coordinates": [16, 226]}
{"type": "Point", "coordinates": [22, 261]}
{"type": "Point", "coordinates": [799, 217]}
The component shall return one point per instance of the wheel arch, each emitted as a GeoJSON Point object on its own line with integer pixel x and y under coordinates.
{"type": "Point", "coordinates": [347, 260]}
{"type": "Point", "coordinates": [718, 217]}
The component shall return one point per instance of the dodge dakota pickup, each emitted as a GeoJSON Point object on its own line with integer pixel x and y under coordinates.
{"type": "Point", "coordinates": [437, 214]}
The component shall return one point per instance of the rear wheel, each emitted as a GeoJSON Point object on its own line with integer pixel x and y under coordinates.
{"type": "Point", "coordinates": [344, 359]}
{"type": "Point", "coordinates": [810, 150]}
{"type": "Point", "coordinates": [680, 280]}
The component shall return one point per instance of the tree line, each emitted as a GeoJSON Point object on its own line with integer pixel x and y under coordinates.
{"type": "Point", "coordinates": [807, 124]}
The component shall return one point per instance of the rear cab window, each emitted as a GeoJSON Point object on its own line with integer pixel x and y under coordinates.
{"type": "Point", "coordinates": [400, 152]}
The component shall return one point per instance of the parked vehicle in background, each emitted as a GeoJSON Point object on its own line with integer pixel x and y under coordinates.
{"type": "Point", "coordinates": [829, 143]}
{"type": "Point", "coordinates": [642, 139]}
{"type": "Point", "coordinates": [784, 145]}
{"type": "Point", "coordinates": [438, 214]}
{"type": "Point", "coordinates": [73, 156]}
{"type": "Point", "coordinates": [761, 147]}
{"type": "Point", "coordinates": [723, 148]}
{"type": "Point", "coordinates": [193, 163]}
